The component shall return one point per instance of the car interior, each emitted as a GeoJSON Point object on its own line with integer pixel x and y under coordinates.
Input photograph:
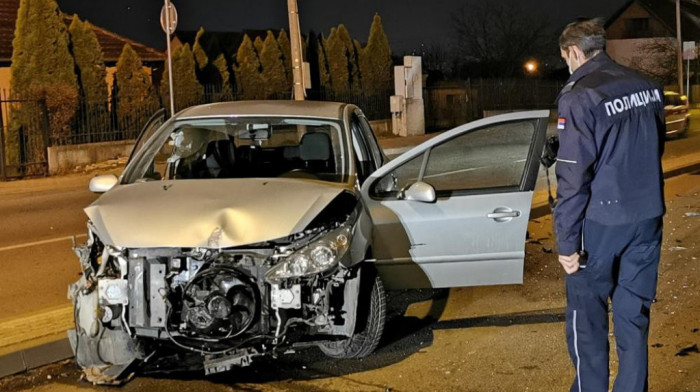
{"type": "Point", "coordinates": [312, 158]}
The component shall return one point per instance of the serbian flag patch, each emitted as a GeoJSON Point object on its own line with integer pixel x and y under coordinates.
{"type": "Point", "coordinates": [561, 123]}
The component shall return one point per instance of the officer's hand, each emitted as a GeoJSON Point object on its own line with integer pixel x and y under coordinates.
{"type": "Point", "coordinates": [570, 263]}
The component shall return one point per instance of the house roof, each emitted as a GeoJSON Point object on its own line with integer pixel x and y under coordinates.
{"type": "Point", "coordinates": [112, 44]}
{"type": "Point", "coordinates": [665, 12]}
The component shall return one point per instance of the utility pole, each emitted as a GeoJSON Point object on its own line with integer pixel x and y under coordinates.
{"type": "Point", "coordinates": [297, 60]}
{"type": "Point", "coordinates": [679, 47]}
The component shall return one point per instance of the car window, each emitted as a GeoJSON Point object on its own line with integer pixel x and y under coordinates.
{"type": "Point", "coordinates": [244, 147]}
{"type": "Point", "coordinates": [672, 100]}
{"type": "Point", "coordinates": [400, 178]}
{"type": "Point", "coordinates": [359, 139]}
{"type": "Point", "coordinates": [152, 125]}
{"type": "Point", "coordinates": [371, 138]}
{"type": "Point", "coordinates": [365, 160]}
{"type": "Point", "coordinates": [490, 157]}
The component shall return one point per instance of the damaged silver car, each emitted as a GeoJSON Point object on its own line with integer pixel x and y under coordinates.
{"type": "Point", "coordinates": [244, 229]}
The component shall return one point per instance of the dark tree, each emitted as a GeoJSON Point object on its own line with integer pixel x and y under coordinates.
{"type": "Point", "coordinates": [657, 59]}
{"type": "Point", "coordinates": [376, 64]}
{"type": "Point", "coordinates": [250, 84]}
{"type": "Point", "coordinates": [42, 69]}
{"type": "Point", "coordinates": [273, 74]}
{"type": "Point", "coordinates": [498, 36]}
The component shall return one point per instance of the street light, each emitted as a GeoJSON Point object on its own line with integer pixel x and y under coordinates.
{"type": "Point", "coordinates": [531, 66]}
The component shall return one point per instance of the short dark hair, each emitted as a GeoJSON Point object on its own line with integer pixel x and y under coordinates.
{"type": "Point", "coordinates": [586, 33]}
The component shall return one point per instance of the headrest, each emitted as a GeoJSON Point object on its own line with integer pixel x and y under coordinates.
{"type": "Point", "coordinates": [315, 147]}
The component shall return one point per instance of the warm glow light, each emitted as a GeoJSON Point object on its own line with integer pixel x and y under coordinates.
{"type": "Point", "coordinates": [531, 66]}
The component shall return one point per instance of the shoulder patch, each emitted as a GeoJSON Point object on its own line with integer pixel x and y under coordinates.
{"type": "Point", "coordinates": [561, 123]}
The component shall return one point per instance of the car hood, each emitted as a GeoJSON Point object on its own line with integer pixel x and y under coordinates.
{"type": "Point", "coordinates": [218, 213]}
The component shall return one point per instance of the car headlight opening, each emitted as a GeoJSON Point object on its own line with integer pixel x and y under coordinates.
{"type": "Point", "coordinates": [317, 257]}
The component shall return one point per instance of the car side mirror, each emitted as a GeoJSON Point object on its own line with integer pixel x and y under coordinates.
{"type": "Point", "coordinates": [419, 191]}
{"type": "Point", "coordinates": [103, 183]}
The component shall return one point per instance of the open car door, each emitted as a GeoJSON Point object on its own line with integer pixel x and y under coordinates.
{"type": "Point", "coordinates": [454, 210]}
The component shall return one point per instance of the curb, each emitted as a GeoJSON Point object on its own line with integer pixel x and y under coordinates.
{"type": "Point", "coordinates": [34, 357]}
{"type": "Point", "coordinates": [58, 350]}
{"type": "Point", "coordinates": [397, 151]}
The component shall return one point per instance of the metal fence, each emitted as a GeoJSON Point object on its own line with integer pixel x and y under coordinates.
{"type": "Point", "coordinates": [375, 106]}
{"type": "Point", "coordinates": [103, 122]}
{"type": "Point", "coordinates": [450, 105]}
{"type": "Point", "coordinates": [23, 137]}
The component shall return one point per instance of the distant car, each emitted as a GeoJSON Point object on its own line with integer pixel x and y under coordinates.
{"type": "Point", "coordinates": [677, 113]}
{"type": "Point", "coordinates": [243, 229]}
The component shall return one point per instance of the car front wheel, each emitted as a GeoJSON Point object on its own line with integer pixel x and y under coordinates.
{"type": "Point", "coordinates": [371, 315]}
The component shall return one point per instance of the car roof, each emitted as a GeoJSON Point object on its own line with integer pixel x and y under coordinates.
{"type": "Point", "coordinates": [313, 109]}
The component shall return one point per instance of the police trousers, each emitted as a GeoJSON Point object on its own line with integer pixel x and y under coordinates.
{"type": "Point", "coordinates": [622, 266]}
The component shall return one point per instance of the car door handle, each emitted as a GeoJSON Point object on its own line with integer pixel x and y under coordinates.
{"type": "Point", "coordinates": [499, 215]}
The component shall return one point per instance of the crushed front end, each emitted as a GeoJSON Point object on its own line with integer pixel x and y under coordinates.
{"type": "Point", "coordinates": [221, 307]}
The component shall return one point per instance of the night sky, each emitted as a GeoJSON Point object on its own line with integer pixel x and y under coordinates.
{"type": "Point", "coordinates": [408, 23]}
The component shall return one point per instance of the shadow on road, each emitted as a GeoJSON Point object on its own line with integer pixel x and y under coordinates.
{"type": "Point", "coordinates": [505, 320]}
{"type": "Point", "coordinates": [404, 336]}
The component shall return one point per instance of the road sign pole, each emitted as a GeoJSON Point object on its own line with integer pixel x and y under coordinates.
{"type": "Point", "coordinates": [170, 59]}
{"type": "Point", "coordinates": [679, 46]}
{"type": "Point", "coordinates": [689, 53]}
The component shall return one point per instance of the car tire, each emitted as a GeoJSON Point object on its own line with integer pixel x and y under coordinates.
{"type": "Point", "coordinates": [370, 322]}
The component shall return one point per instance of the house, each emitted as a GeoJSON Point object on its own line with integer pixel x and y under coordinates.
{"type": "Point", "coordinates": [642, 35]}
{"type": "Point", "coordinates": [111, 43]}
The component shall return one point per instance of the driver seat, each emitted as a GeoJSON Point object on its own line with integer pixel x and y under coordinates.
{"type": "Point", "coordinates": [221, 158]}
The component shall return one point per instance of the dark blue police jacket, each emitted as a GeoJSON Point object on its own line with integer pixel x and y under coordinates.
{"type": "Point", "coordinates": [611, 137]}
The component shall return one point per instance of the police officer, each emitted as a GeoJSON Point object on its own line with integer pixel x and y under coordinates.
{"type": "Point", "coordinates": [610, 205]}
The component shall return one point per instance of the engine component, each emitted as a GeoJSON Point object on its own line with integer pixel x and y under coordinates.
{"type": "Point", "coordinates": [285, 298]}
{"type": "Point", "coordinates": [156, 289]}
{"type": "Point", "coordinates": [101, 346]}
{"type": "Point", "coordinates": [220, 302]}
{"type": "Point", "coordinates": [239, 358]}
{"type": "Point", "coordinates": [107, 314]}
{"type": "Point", "coordinates": [219, 307]}
{"type": "Point", "coordinates": [113, 291]}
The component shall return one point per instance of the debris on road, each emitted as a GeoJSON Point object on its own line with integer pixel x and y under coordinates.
{"type": "Point", "coordinates": [692, 214]}
{"type": "Point", "coordinates": [684, 352]}
{"type": "Point", "coordinates": [677, 248]}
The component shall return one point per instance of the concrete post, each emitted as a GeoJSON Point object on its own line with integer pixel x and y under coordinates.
{"type": "Point", "coordinates": [297, 61]}
{"type": "Point", "coordinates": [407, 105]}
